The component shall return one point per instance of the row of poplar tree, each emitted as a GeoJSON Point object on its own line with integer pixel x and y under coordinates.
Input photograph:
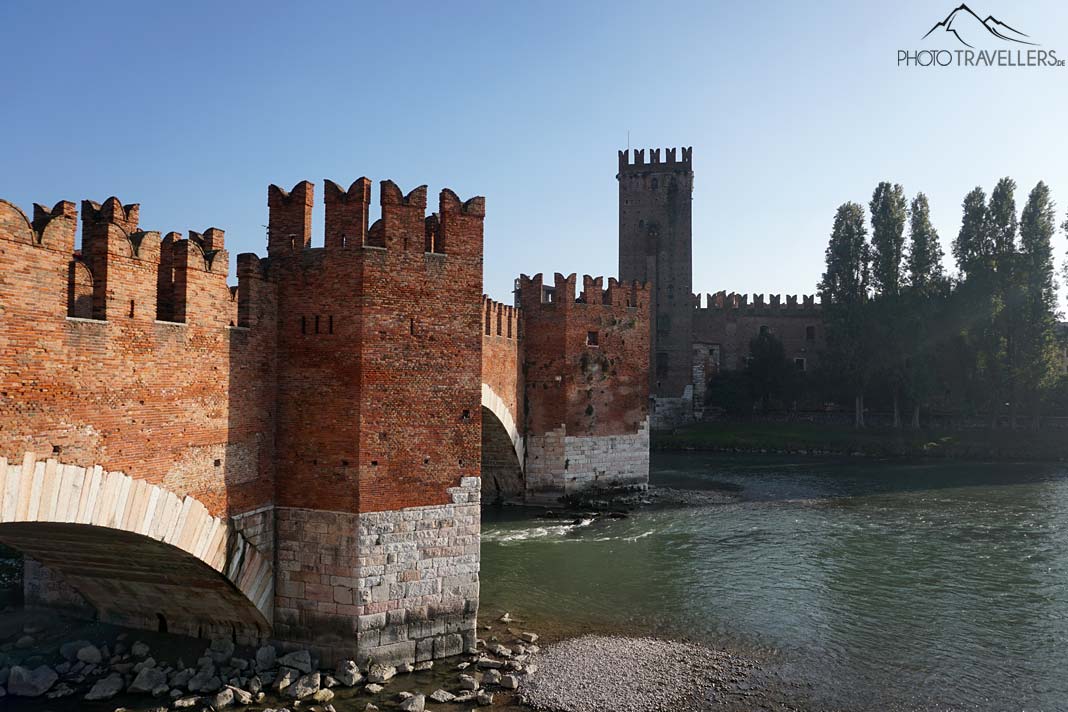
{"type": "Point", "coordinates": [982, 343]}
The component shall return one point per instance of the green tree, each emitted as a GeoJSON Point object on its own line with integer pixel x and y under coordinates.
{"type": "Point", "coordinates": [973, 248]}
{"type": "Point", "coordinates": [926, 274]}
{"type": "Point", "coordinates": [923, 310]}
{"type": "Point", "coordinates": [844, 291]}
{"type": "Point", "coordinates": [1006, 299]}
{"type": "Point", "coordinates": [848, 258]}
{"type": "Point", "coordinates": [889, 211]}
{"type": "Point", "coordinates": [1035, 333]}
{"type": "Point", "coordinates": [977, 302]}
{"type": "Point", "coordinates": [1002, 221]}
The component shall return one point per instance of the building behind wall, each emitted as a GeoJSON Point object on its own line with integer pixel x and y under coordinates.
{"type": "Point", "coordinates": [724, 326]}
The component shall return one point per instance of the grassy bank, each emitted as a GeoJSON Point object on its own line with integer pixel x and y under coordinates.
{"type": "Point", "coordinates": [813, 439]}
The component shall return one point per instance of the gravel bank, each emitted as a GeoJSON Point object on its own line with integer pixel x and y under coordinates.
{"type": "Point", "coordinates": [597, 673]}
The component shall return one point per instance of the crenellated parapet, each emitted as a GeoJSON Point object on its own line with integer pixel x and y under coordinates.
{"type": "Point", "coordinates": [563, 294]}
{"type": "Point", "coordinates": [56, 227]}
{"type": "Point", "coordinates": [404, 225]}
{"type": "Point", "coordinates": [123, 271]}
{"type": "Point", "coordinates": [346, 213]}
{"type": "Point", "coordinates": [673, 159]}
{"type": "Point", "coordinates": [769, 304]}
{"type": "Point", "coordinates": [499, 319]}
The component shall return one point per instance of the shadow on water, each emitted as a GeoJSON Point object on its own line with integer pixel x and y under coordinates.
{"type": "Point", "coordinates": [773, 477]}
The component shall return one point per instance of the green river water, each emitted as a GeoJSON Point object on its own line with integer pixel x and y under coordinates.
{"type": "Point", "coordinates": [874, 585]}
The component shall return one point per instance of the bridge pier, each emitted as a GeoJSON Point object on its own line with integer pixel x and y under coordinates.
{"type": "Point", "coordinates": [395, 586]}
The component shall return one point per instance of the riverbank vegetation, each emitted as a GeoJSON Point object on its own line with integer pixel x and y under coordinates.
{"type": "Point", "coordinates": [982, 342]}
{"type": "Point", "coordinates": [906, 338]}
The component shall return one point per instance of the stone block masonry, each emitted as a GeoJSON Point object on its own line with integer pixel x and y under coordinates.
{"type": "Point", "coordinates": [570, 464]}
{"type": "Point", "coordinates": [418, 592]}
{"type": "Point", "coordinates": [395, 585]}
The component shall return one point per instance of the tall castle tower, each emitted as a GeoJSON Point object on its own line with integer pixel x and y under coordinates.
{"type": "Point", "coordinates": [655, 241]}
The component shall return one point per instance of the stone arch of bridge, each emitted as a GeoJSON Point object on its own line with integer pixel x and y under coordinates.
{"type": "Point", "coordinates": [136, 553]}
{"type": "Point", "coordinates": [502, 449]}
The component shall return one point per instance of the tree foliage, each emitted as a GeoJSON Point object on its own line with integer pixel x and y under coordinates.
{"type": "Point", "coordinates": [973, 248]}
{"type": "Point", "coordinates": [1036, 332]}
{"type": "Point", "coordinates": [844, 291]}
{"type": "Point", "coordinates": [926, 274]}
{"type": "Point", "coordinates": [897, 324]}
{"type": "Point", "coordinates": [889, 211]}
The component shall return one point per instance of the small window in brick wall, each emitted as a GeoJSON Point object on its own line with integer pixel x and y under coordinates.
{"type": "Point", "coordinates": [799, 364]}
{"type": "Point", "coordinates": [810, 333]}
{"type": "Point", "coordinates": [591, 338]}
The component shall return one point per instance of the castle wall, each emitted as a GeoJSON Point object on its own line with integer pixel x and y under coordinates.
{"type": "Point", "coordinates": [728, 322]}
{"type": "Point", "coordinates": [585, 362]}
{"type": "Point", "coordinates": [502, 353]}
{"type": "Point", "coordinates": [183, 404]}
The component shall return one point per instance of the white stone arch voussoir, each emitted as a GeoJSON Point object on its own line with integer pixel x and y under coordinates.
{"type": "Point", "coordinates": [495, 404]}
{"type": "Point", "coordinates": [66, 494]}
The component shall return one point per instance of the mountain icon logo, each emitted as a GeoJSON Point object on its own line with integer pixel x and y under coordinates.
{"type": "Point", "coordinates": [968, 28]}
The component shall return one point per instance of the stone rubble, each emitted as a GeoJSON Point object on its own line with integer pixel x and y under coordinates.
{"type": "Point", "coordinates": [221, 678]}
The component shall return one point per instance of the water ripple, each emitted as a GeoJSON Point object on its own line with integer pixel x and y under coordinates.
{"type": "Point", "coordinates": [885, 586]}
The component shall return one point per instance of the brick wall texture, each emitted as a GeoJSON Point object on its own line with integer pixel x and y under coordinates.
{"type": "Point", "coordinates": [586, 359]}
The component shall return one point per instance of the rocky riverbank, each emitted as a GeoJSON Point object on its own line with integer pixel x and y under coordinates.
{"type": "Point", "coordinates": [509, 671]}
{"type": "Point", "coordinates": [619, 501]}
{"type": "Point", "coordinates": [123, 672]}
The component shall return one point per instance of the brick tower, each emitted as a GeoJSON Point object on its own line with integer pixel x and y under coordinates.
{"type": "Point", "coordinates": [655, 245]}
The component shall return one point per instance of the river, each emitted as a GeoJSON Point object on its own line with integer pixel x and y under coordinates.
{"type": "Point", "coordinates": [877, 586]}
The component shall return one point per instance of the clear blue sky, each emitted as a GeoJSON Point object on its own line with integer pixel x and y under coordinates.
{"type": "Point", "coordinates": [193, 108]}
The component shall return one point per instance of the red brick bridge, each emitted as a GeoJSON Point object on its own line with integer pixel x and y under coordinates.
{"type": "Point", "coordinates": [299, 457]}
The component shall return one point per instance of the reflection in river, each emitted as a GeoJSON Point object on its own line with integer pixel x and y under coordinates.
{"type": "Point", "coordinates": [884, 585]}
